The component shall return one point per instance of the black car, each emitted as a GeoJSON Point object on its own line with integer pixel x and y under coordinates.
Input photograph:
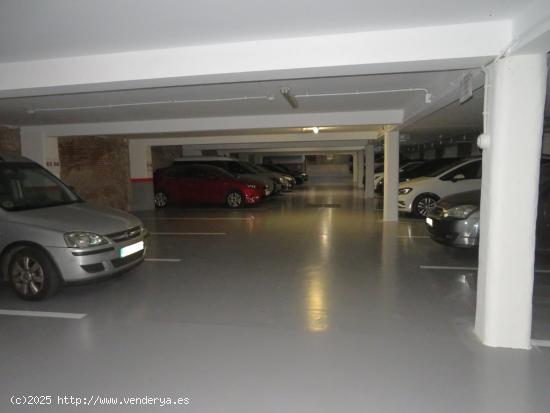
{"type": "Point", "coordinates": [300, 177]}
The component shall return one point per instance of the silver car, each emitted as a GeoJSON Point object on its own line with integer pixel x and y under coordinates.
{"type": "Point", "coordinates": [50, 237]}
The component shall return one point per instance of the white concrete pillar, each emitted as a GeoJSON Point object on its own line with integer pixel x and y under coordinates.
{"type": "Point", "coordinates": [369, 171]}
{"type": "Point", "coordinates": [511, 162]}
{"type": "Point", "coordinates": [141, 176]}
{"type": "Point", "coordinates": [40, 148]}
{"type": "Point", "coordinates": [360, 169]}
{"type": "Point", "coordinates": [355, 168]}
{"type": "Point", "coordinates": [391, 174]}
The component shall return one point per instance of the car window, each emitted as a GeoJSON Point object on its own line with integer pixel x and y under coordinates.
{"type": "Point", "coordinates": [471, 170]}
{"type": "Point", "coordinates": [28, 186]}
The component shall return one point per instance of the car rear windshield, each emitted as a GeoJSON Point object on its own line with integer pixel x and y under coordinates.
{"type": "Point", "coordinates": [29, 186]}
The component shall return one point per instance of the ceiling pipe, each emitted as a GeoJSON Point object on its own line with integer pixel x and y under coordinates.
{"type": "Point", "coordinates": [162, 102]}
{"type": "Point", "coordinates": [427, 94]}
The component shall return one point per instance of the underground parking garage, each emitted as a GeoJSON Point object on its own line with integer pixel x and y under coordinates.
{"type": "Point", "coordinates": [212, 214]}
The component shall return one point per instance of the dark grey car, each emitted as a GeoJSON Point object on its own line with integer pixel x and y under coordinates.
{"type": "Point", "coordinates": [49, 236]}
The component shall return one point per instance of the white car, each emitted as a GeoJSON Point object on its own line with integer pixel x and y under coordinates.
{"type": "Point", "coordinates": [420, 195]}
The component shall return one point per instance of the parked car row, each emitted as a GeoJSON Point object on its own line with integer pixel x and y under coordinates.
{"type": "Point", "coordinates": [221, 180]}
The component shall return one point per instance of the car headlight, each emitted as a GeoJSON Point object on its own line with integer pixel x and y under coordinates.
{"type": "Point", "coordinates": [404, 191]}
{"type": "Point", "coordinates": [252, 186]}
{"type": "Point", "coordinates": [462, 211]}
{"type": "Point", "coordinates": [84, 239]}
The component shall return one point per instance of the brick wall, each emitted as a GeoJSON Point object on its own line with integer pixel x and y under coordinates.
{"type": "Point", "coordinates": [10, 140]}
{"type": "Point", "coordinates": [98, 169]}
{"type": "Point", "coordinates": [163, 156]}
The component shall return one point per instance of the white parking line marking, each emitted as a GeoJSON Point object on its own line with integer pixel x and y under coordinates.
{"type": "Point", "coordinates": [163, 259]}
{"type": "Point", "coordinates": [443, 267]}
{"type": "Point", "coordinates": [201, 219]}
{"type": "Point", "coordinates": [540, 343]}
{"type": "Point", "coordinates": [188, 233]}
{"type": "Point", "coordinates": [42, 314]}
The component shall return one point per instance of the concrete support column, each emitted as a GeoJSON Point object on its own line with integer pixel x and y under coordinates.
{"type": "Point", "coordinates": [369, 171]}
{"type": "Point", "coordinates": [41, 149]}
{"type": "Point", "coordinates": [258, 159]}
{"type": "Point", "coordinates": [355, 168]}
{"type": "Point", "coordinates": [511, 162]}
{"type": "Point", "coordinates": [391, 174]}
{"type": "Point", "coordinates": [360, 169]}
{"type": "Point", "coordinates": [141, 176]}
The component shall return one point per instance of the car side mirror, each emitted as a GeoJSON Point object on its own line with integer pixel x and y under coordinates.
{"type": "Point", "coordinates": [458, 177]}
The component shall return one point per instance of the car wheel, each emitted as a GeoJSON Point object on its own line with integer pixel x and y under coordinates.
{"type": "Point", "coordinates": [234, 199]}
{"type": "Point", "coordinates": [161, 200]}
{"type": "Point", "coordinates": [424, 204]}
{"type": "Point", "coordinates": [32, 274]}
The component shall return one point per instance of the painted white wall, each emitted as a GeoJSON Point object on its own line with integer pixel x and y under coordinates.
{"type": "Point", "coordinates": [41, 149]}
{"type": "Point", "coordinates": [506, 259]}
{"type": "Point", "coordinates": [391, 174]}
{"type": "Point", "coordinates": [141, 164]}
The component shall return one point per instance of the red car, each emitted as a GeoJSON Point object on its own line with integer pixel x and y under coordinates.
{"type": "Point", "coordinates": [203, 184]}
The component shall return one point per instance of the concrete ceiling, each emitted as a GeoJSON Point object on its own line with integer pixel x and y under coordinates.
{"type": "Point", "coordinates": [40, 29]}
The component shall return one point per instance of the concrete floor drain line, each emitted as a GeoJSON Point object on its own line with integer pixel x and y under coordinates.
{"type": "Point", "coordinates": [444, 267]}
{"type": "Point", "coordinates": [43, 314]}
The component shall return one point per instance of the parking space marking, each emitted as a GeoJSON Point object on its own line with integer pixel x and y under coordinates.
{"type": "Point", "coordinates": [47, 314]}
{"type": "Point", "coordinates": [201, 219]}
{"type": "Point", "coordinates": [163, 259]}
{"type": "Point", "coordinates": [540, 343]}
{"type": "Point", "coordinates": [443, 267]}
{"type": "Point", "coordinates": [188, 233]}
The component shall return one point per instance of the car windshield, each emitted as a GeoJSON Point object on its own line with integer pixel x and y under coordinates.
{"type": "Point", "coordinates": [444, 167]}
{"type": "Point", "coordinates": [258, 168]}
{"type": "Point", "coordinates": [28, 186]}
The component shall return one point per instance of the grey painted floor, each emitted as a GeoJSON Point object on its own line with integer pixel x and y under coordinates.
{"type": "Point", "coordinates": [288, 307]}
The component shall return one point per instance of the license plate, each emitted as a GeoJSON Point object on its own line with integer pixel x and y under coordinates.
{"type": "Point", "coordinates": [131, 249]}
{"type": "Point", "coordinates": [430, 222]}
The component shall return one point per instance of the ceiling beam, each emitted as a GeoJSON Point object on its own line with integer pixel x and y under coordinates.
{"type": "Point", "coordinates": [374, 117]}
{"type": "Point", "coordinates": [388, 51]}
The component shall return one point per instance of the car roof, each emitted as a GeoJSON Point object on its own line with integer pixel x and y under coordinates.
{"type": "Point", "coordinates": [204, 158]}
{"type": "Point", "coordinates": [11, 157]}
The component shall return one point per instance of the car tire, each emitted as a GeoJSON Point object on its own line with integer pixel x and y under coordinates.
{"type": "Point", "coordinates": [161, 199]}
{"type": "Point", "coordinates": [423, 204]}
{"type": "Point", "coordinates": [234, 199]}
{"type": "Point", "coordinates": [32, 274]}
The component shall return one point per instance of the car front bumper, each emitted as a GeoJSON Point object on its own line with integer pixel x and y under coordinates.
{"type": "Point", "coordinates": [82, 265]}
{"type": "Point", "coordinates": [454, 232]}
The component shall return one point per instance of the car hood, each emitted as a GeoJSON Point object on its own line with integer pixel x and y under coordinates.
{"type": "Point", "coordinates": [463, 198]}
{"type": "Point", "coordinates": [77, 217]}
{"type": "Point", "coordinates": [415, 181]}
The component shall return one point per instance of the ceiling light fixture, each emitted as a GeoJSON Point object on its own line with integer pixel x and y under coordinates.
{"type": "Point", "coordinates": [315, 130]}
{"type": "Point", "coordinates": [289, 97]}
